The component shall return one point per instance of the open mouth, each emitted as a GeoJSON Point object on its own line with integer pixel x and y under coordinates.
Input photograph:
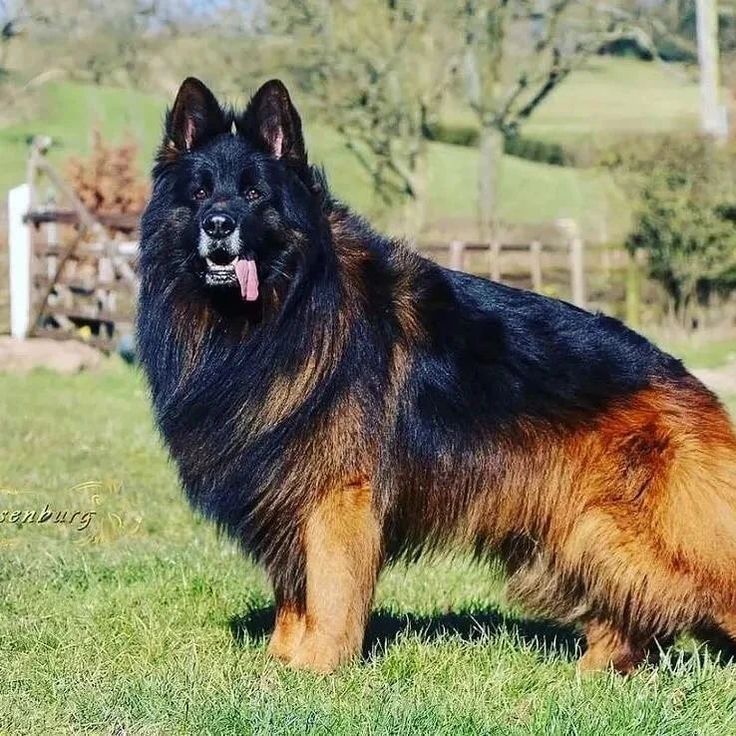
{"type": "Point", "coordinates": [220, 274]}
{"type": "Point", "coordinates": [240, 271]}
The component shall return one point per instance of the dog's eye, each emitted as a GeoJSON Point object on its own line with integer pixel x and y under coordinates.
{"type": "Point", "coordinates": [252, 194]}
{"type": "Point", "coordinates": [200, 194]}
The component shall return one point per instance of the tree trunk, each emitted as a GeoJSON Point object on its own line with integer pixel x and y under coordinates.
{"type": "Point", "coordinates": [489, 166]}
{"type": "Point", "coordinates": [633, 291]}
{"type": "Point", "coordinates": [417, 206]}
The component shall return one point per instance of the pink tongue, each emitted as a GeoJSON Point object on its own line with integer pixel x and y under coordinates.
{"type": "Point", "coordinates": [248, 278]}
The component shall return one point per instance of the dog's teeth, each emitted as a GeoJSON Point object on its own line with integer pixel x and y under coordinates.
{"type": "Point", "coordinates": [220, 266]}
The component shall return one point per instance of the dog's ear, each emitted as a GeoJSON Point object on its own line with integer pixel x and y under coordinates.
{"type": "Point", "coordinates": [272, 122]}
{"type": "Point", "coordinates": [195, 117]}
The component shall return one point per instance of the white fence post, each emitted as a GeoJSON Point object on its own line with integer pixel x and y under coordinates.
{"type": "Point", "coordinates": [577, 263]}
{"type": "Point", "coordinates": [19, 241]}
{"type": "Point", "coordinates": [577, 269]}
{"type": "Point", "coordinates": [457, 255]}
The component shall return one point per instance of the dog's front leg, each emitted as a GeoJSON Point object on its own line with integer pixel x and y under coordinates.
{"type": "Point", "coordinates": [342, 542]}
{"type": "Point", "coordinates": [290, 626]}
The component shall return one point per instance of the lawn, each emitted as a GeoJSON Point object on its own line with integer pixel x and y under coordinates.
{"type": "Point", "coordinates": [620, 96]}
{"type": "Point", "coordinates": [147, 623]}
{"type": "Point", "coordinates": [704, 354]}
{"type": "Point", "coordinates": [606, 97]}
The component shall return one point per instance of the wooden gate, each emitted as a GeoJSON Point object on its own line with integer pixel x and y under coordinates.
{"type": "Point", "coordinates": [83, 266]}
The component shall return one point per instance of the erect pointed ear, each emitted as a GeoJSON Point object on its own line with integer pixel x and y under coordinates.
{"type": "Point", "coordinates": [195, 117]}
{"type": "Point", "coordinates": [272, 122]}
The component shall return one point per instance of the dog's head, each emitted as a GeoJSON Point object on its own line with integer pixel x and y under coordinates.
{"type": "Point", "coordinates": [233, 198]}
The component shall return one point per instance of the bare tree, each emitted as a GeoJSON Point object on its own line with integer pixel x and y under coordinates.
{"type": "Point", "coordinates": [121, 42]}
{"type": "Point", "coordinates": [517, 53]}
{"type": "Point", "coordinates": [381, 69]}
{"type": "Point", "coordinates": [16, 20]}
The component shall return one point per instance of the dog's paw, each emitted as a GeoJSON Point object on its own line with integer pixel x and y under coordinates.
{"type": "Point", "coordinates": [287, 637]}
{"type": "Point", "coordinates": [278, 649]}
{"type": "Point", "coordinates": [317, 655]}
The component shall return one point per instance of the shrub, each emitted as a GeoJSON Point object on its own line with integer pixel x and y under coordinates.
{"type": "Point", "coordinates": [108, 180]}
{"type": "Point", "coordinates": [533, 149]}
{"type": "Point", "coordinates": [517, 145]}
{"type": "Point", "coordinates": [456, 135]}
{"type": "Point", "coordinates": [684, 218]}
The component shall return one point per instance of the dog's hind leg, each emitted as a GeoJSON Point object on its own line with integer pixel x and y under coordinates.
{"type": "Point", "coordinates": [727, 624]}
{"type": "Point", "coordinates": [542, 589]}
{"type": "Point", "coordinates": [722, 636]}
{"type": "Point", "coordinates": [632, 591]}
{"type": "Point", "coordinates": [342, 539]}
{"type": "Point", "coordinates": [609, 647]}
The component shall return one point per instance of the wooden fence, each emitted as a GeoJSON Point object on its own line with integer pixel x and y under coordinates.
{"type": "Point", "coordinates": [73, 273]}
{"type": "Point", "coordinates": [557, 266]}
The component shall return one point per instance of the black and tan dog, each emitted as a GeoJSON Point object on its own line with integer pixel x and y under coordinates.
{"type": "Point", "coordinates": [335, 401]}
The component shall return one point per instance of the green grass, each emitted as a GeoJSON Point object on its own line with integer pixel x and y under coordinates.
{"type": "Point", "coordinates": [608, 96]}
{"type": "Point", "coordinates": [69, 113]}
{"type": "Point", "coordinates": [529, 192]}
{"type": "Point", "coordinates": [147, 623]}
{"type": "Point", "coordinates": [621, 97]}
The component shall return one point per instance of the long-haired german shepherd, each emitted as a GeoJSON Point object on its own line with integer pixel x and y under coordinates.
{"type": "Point", "coordinates": [335, 401]}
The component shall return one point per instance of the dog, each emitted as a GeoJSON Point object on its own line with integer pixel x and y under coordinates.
{"type": "Point", "coordinates": [335, 402]}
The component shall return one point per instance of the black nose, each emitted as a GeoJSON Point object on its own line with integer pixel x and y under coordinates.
{"type": "Point", "coordinates": [218, 225]}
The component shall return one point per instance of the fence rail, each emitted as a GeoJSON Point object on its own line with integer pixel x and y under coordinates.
{"type": "Point", "coordinates": [491, 259]}
{"type": "Point", "coordinates": [126, 222]}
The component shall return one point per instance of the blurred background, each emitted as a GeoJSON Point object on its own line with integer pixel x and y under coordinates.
{"type": "Point", "coordinates": [577, 147]}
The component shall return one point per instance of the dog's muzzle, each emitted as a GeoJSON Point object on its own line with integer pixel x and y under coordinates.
{"type": "Point", "coordinates": [219, 246]}
{"type": "Point", "coordinates": [224, 264]}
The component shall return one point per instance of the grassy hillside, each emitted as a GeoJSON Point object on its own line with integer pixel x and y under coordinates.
{"type": "Point", "coordinates": [68, 113]}
{"type": "Point", "coordinates": [608, 96]}
{"type": "Point", "coordinates": [619, 96]}
{"type": "Point", "coordinates": [611, 96]}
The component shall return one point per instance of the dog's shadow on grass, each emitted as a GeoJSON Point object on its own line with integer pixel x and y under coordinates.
{"type": "Point", "coordinates": [385, 627]}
